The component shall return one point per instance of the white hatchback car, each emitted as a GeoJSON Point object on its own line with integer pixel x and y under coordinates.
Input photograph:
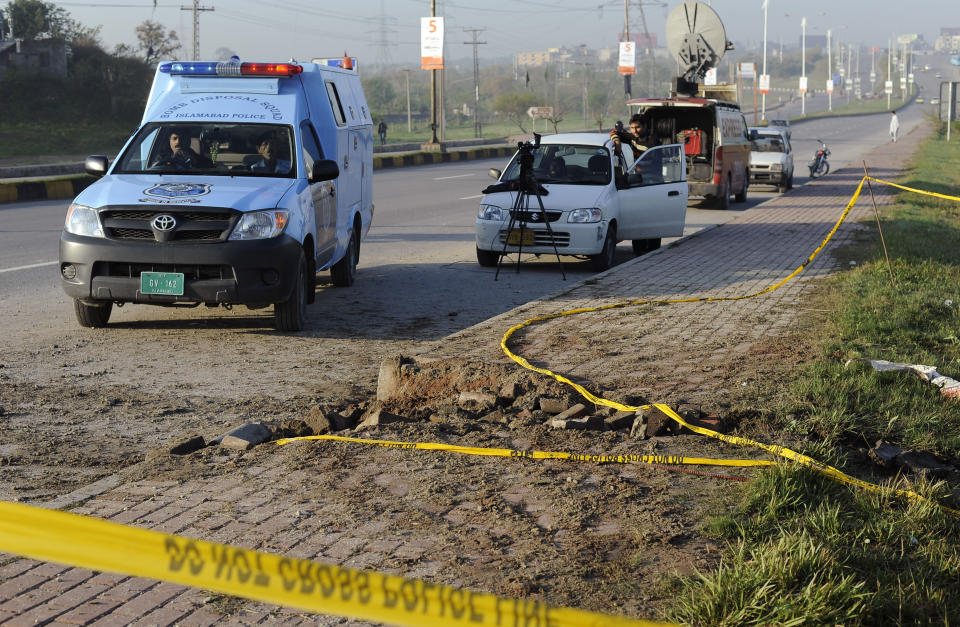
{"type": "Point", "coordinates": [592, 198]}
{"type": "Point", "coordinates": [771, 158]}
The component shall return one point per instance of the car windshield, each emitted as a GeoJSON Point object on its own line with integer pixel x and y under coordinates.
{"type": "Point", "coordinates": [214, 149]}
{"type": "Point", "coordinates": [569, 164]}
{"type": "Point", "coordinates": [768, 144]}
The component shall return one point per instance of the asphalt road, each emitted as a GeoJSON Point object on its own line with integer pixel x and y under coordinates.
{"type": "Point", "coordinates": [423, 225]}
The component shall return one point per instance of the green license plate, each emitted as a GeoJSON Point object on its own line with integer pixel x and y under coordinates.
{"type": "Point", "coordinates": [518, 237]}
{"type": "Point", "coordinates": [170, 283]}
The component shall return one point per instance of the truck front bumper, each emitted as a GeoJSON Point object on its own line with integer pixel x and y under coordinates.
{"type": "Point", "coordinates": [257, 272]}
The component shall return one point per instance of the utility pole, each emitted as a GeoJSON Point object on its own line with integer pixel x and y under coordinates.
{"type": "Point", "coordinates": [829, 73]}
{"type": "Point", "coordinates": [626, 37]}
{"type": "Point", "coordinates": [803, 63]}
{"type": "Point", "coordinates": [409, 122]}
{"type": "Point", "coordinates": [476, 79]}
{"type": "Point", "coordinates": [763, 101]}
{"type": "Point", "coordinates": [196, 8]}
{"type": "Point", "coordinates": [889, 75]}
{"type": "Point", "coordinates": [433, 89]}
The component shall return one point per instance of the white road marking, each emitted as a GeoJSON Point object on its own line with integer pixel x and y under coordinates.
{"type": "Point", "coordinates": [456, 176]}
{"type": "Point", "coordinates": [472, 197]}
{"type": "Point", "coordinates": [33, 265]}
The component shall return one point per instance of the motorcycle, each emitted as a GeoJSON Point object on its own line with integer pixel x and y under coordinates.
{"type": "Point", "coordinates": [818, 165]}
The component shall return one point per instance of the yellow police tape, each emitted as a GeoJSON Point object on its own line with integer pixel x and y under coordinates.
{"type": "Point", "coordinates": [914, 190]}
{"type": "Point", "coordinates": [86, 542]}
{"type": "Point", "coordinates": [672, 460]}
{"type": "Point", "coordinates": [804, 460]}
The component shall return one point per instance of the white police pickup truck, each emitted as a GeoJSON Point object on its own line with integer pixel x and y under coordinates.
{"type": "Point", "coordinates": [593, 197]}
{"type": "Point", "coordinates": [243, 181]}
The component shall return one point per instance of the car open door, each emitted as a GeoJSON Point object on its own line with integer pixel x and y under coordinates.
{"type": "Point", "coordinates": [654, 202]}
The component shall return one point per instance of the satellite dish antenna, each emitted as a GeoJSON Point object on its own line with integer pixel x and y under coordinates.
{"type": "Point", "coordinates": [696, 38]}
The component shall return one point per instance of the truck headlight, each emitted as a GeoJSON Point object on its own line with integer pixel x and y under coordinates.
{"type": "Point", "coordinates": [591, 214]}
{"type": "Point", "coordinates": [83, 220]}
{"type": "Point", "coordinates": [261, 224]}
{"type": "Point", "coordinates": [776, 167]}
{"type": "Point", "coordinates": [491, 212]}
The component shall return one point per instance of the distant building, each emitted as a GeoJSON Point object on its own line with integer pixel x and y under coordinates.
{"type": "Point", "coordinates": [46, 56]}
{"type": "Point", "coordinates": [948, 41]}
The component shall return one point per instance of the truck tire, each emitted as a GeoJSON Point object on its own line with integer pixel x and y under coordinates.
{"type": "Point", "coordinates": [643, 246]}
{"type": "Point", "coordinates": [742, 196]}
{"type": "Point", "coordinates": [92, 316]}
{"type": "Point", "coordinates": [604, 260]}
{"type": "Point", "coordinates": [344, 271]}
{"type": "Point", "coordinates": [291, 314]}
{"type": "Point", "coordinates": [487, 258]}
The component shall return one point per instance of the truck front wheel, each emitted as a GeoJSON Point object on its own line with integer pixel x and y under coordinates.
{"type": "Point", "coordinates": [344, 271]}
{"type": "Point", "coordinates": [92, 316]}
{"type": "Point", "coordinates": [291, 314]}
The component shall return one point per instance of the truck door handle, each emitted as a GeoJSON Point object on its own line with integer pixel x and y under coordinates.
{"type": "Point", "coordinates": [673, 193]}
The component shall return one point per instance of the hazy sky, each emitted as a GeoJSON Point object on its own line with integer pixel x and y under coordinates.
{"type": "Point", "coordinates": [389, 30]}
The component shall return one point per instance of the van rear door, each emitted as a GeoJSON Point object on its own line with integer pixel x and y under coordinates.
{"type": "Point", "coordinates": [655, 202]}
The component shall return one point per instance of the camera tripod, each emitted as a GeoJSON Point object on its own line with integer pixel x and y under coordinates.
{"type": "Point", "coordinates": [521, 214]}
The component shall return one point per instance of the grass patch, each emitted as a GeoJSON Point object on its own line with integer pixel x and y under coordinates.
{"type": "Point", "coordinates": [802, 549]}
{"type": "Point", "coordinates": [23, 140]}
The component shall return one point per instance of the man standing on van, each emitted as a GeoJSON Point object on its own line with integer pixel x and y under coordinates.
{"type": "Point", "coordinates": [382, 132]}
{"type": "Point", "coordinates": [894, 126]}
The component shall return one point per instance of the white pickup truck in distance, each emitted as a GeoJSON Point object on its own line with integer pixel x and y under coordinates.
{"type": "Point", "coordinates": [594, 198]}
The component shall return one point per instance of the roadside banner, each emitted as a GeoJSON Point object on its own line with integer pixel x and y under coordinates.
{"type": "Point", "coordinates": [829, 85]}
{"type": "Point", "coordinates": [748, 70]}
{"type": "Point", "coordinates": [710, 78]}
{"type": "Point", "coordinates": [803, 84]}
{"type": "Point", "coordinates": [764, 83]}
{"type": "Point", "coordinates": [628, 57]}
{"type": "Point", "coordinates": [888, 87]}
{"type": "Point", "coordinates": [431, 43]}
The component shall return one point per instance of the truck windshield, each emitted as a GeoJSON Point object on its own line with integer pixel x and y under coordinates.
{"type": "Point", "coordinates": [214, 149]}
{"type": "Point", "coordinates": [566, 164]}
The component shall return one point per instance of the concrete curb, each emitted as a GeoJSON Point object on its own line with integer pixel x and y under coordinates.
{"type": "Point", "coordinates": [70, 186]}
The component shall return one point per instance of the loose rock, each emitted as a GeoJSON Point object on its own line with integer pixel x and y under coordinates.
{"type": "Point", "coordinates": [246, 436]}
{"type": "Point", "coordinates": [884, 453]}
{"type": "Point", "coordinates": [553, 405]}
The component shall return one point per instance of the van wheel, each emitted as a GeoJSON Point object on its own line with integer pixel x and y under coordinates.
{"type": "Point", "coordinates": [92, 316]}
{"type": "Point", "coordinates": [604, 260]}
{"type": "Point", "coordinates": [291, 314]}
{"type": "Point", "coordinates": [344, 271]}
{"type": "Point", "coordinates": [487, 258]}
{"type": "Point", "coordinates": [742, 196]}
{"type": "Point", "coordinates": [790, 181]}
{"type": "Point", "coordinates": [723, 199]}
{"type": "Point", "coordinates": [644, 246]}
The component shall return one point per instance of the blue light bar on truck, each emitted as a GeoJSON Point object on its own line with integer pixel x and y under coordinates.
{"type": "Point", "coordinates": [217, 68]}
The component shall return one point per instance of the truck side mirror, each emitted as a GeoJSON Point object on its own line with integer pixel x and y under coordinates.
{"type": "Point", "coordinates": [494, 173]}
{"type": "Point", "coordinates": [96, 165]}
{"type": "Point", "coordinates": [324, 170]}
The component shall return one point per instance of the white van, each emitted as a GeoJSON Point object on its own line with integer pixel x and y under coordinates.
{"type": "Point", "coordinates": [715, 140]}
{"type": "Point", "coordinates": [243, 181]}
{"type": "Point", "coordinates": [593, 197]}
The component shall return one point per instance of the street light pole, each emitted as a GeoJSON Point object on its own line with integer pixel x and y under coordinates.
{"type": "Point", "coordinates": [763, 98]}
{"type": "Point", "coordinates": [803, 64]}
{"type": "Point", "coordinates": [889, 75]}
{"type": "Point", "coordinates": [829, 74]}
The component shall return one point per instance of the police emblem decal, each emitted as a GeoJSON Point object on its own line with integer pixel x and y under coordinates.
{"type": "Point", "coordinates": [178, 191]}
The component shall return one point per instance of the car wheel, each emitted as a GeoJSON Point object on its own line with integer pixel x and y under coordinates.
{"type": "Point", "coordinates": [723, 199]}
{"type": "Point", "coordinates": [92, 316]}
{"type": "Point", "coordinates": [644, 246]}
{"type": "Point", "coordinates": [291, 314]}
{"type": "Point", "coordinates": [487, 258]}
{"type": "Point", "coordinates": [742, 196]}
{"type": "Point", "coordinates": [790, 181]}
{"type": "Point", "coordinates": [344, 271]}
{"type": "Point", "coordinates": [604, 260]}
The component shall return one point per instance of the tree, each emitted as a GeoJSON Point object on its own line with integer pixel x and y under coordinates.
{"type": "Point", "coordinates": [154, 42]}
{"type": "Point", "coordinates": [514, 106]}
{"type": "Point", "coordinates": [34, 19]}
{"type": "Point", "coordinates": [380, 94]}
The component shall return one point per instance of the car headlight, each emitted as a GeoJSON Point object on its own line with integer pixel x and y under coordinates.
{"type": "Point", "coordinates": [591, 214]}
{"type": "Point", "coordinates": [776, 167]}
{"type": "Point", "coordinates": [83, 220]}
{"type": "Point", "coordinates": [491, 212]}
{"type": "Point", "coordinates": [261, 224]}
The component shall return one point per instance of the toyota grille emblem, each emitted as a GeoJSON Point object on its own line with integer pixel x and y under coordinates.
{"type": "Point", "coordinates": [164, 222]}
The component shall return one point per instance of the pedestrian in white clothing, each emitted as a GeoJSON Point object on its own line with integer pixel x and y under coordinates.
{"type": "Point", "coordinates": [894, 126]}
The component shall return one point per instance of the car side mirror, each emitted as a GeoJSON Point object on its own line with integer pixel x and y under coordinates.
{"type": "Point", "coordinates": [324, 170]}
{"type": "Point", "coordinates": [96, 165]}
{"type": "Point", "coordinates": [494, 173]}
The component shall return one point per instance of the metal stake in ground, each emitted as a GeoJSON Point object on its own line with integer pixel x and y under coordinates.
{"type": "Point", "coordinates": [876, 212]}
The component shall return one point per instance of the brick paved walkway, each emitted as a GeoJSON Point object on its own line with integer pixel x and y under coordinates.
{"type": "Point", "coordinates": [267, 501]}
